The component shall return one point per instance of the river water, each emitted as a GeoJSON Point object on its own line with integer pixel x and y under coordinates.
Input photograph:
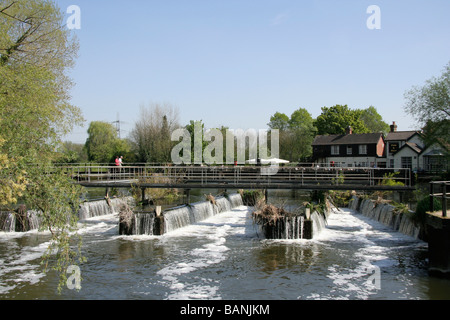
{"type": "Point", "coordinates": [225, 257]}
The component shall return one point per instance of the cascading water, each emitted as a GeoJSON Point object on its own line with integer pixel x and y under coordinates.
{"type": "Point", "coordinates": [291, 226]}
{"type": "Point", "coordinates": [235, 200]}
{"type": "Point", "coordinates": [14, 222]}
{"type": "Point", "coordinates": [7, 222]}
{"type": "Point", "coordinates": [100, 208]}
{"type": "Point", "coordinates": [318, 223]}
{"type": "Point", "coordinates": [144, 223]}
{"type": "Point", "coordinates": [177, 218]}
{"type": "Point", "coordinates": [294, 227]}
{"type": "Point", "coordinates": [223, 204]}
{"type": "Point", "coordinates": [385, 214]}
{"type": "Point", "coordinates": [182, 216]}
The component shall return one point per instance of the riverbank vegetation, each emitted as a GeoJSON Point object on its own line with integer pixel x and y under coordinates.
{"type": "Point", "coordinates": [36, 53]}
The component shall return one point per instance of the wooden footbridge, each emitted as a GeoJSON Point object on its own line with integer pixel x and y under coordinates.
{"type": "Point", "coordinates": [241, 177]}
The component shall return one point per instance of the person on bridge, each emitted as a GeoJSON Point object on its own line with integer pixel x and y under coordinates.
{"type": "Point", "coordinates": [117, 161]}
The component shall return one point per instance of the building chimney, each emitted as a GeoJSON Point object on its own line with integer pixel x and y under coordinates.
{"type": "Point", "coordinates": [349, 130]}
{"type": "Point", "coordinates": [393, 127]}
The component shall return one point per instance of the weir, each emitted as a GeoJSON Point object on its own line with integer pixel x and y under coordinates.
{"type": "Point", "coordinates": [19, 222]}
{"type": "Point", "coordinates": [149, 223]}
{"type": "Point", "coordinates": [101, 207]}
{"type": "Point", "coordinates": [291, 226]}
{"type": "Point", "coordinates": [30, 219]}
{"type": "Point", "coordinates": [386, 214]}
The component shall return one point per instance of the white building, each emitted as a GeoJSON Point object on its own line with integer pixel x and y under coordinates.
{"type": "Point", "coordinates": [406, 149]}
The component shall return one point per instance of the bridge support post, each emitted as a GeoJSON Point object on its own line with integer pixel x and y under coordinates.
{"type": "Point", "coordinates": [187, 196]}
{"type": "Point", "coordinates": [143, 195]}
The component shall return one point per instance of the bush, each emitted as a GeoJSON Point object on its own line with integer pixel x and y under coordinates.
{"type": "Point", "coordinates": [423, 206]}
{"type": "Point", "coordinates": [251, 197]}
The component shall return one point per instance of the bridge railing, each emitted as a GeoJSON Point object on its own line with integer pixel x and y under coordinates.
{"type": "Point", "coordinates": [443, 195]}
{"type": "Point", "coordinates": [170, 175]}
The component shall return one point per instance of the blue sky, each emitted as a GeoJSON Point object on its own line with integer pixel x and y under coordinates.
{"type": "Point", "coordinates": [236, 63]}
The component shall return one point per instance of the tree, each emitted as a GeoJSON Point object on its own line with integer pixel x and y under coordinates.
{"type": "Point", "coordinates": [336, 119]}
{"type": "Point", "coordinates": [101, 142]}
{"type": "Point", "coordinates": [430, 106]}
{"type": "Point", "coordinates": [301, 126]}
{"type": "Point", "coordinates": [70, 152]}
{"type": "Point", "coordinates": [296, 134]}
{"type": "Point", "coordinates": [151, 135]}
{"type": "Point", "coordinates": [279, 121]}
{"type": "Point", "coordinates": [36, 51]}
{"type": "Point", "coordinates": [373, 120]}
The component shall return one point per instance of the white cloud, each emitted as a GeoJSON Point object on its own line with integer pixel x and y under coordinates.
{"type": "Point", "coordinates": [279, 19]}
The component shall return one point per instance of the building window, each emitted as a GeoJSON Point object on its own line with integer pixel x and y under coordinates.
{"type": "Point", "coordinates": [407, 162]}
{"type": "Point", "coordinates": [334, 150]}
{"type": "Point", "coordinates": [391, 163]}
{"type": "Point", "coordinates": [349, 150]}
{"type": "Point", "coordinates": [363, 149]}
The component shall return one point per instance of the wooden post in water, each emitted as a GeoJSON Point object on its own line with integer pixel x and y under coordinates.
{"type": "Point", "coordinates": [143, 194]}
{"type": "Point", "coordinates": [431, 197]}
{"type": "Point", "coordinates": [158, 229]}
{"type": "Point", "coordinates": [444, 199]}
{"type": "Point", "coordinates": [187, 194]}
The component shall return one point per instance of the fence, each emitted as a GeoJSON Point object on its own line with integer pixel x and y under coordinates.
{"type": "Point", "coordinates": [441, 194]}
{"type": "Point", "coordinates": [204, 175]}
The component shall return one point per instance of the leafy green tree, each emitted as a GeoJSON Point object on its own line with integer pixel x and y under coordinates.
{"type": "Point", "coordinates": [303, 131]}
{"type": "Point", "coordinates": [279, 121]}
{"type": "Point", "coordinates": [101, 142]}
{"type": "Point", "coordinates": [36, 51]}
{"type": "Point", "coordinates": [373, 120]}
{"type": "Point", "coordinates": [336, 119]}
{"type": "Point", "coordinates": [296, 134]}
{"type": "Point", "coordinates": [430, 106]}
{"type": "Point", "coordinates": [70, 152]}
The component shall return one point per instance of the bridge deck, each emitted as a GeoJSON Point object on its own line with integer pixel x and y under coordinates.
{"type": "Point", "coordinates": [244, 177]}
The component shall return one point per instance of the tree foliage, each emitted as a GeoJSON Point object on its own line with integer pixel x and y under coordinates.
{"type": "Point", "coordinates": [373, 120]}
{"type": "Point", "coordinates": [296, 134]}
{"type": "Point", "coordinates": [336, 119]}
{"type": "Point", "coordinates": [36, 50]}
{"type": "Point", "coordinates": [151, 135]}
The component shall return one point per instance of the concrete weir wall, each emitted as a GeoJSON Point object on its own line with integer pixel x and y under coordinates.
{"type": "Point", "coordinates": [438, 231]}
{"type": "Point", "coordinates": [385, 214]}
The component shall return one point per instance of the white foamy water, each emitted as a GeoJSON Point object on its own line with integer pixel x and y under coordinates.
{"type": "Point", "coordinates": [374, 248]}
{"type": "Point", "coordinates": [214, 231]}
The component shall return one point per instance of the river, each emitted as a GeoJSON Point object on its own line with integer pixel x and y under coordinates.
{"type": "Point", "coordinates": [225, 258]}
